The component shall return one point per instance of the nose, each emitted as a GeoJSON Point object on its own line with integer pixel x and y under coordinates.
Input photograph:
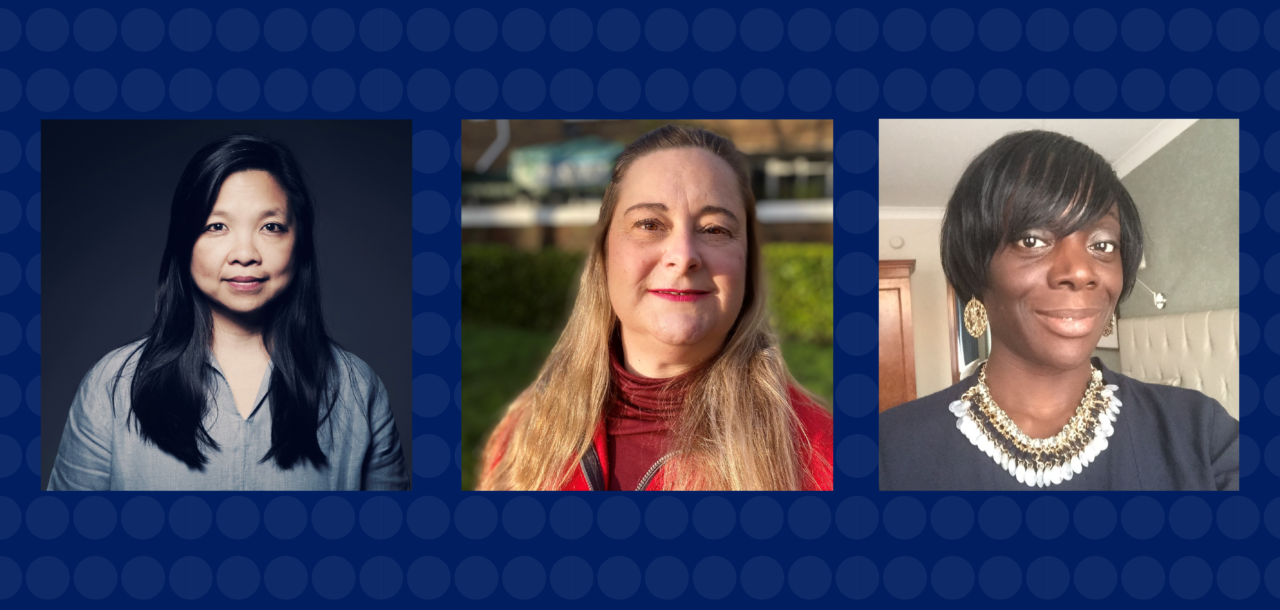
{"type": "Point", "coordinates": [682, 253]}
{"type": "Point", "coordinates": [1073, 265]}
{"type": "Point", "coordinates": [244, 250]}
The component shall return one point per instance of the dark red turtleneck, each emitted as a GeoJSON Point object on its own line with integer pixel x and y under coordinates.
{"type": "Point", "coordinates": [639, 422]}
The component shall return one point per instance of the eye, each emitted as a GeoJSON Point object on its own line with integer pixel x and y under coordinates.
{"type": "Point", "coordinates": [1031, 241]}
{"type": "Point", "coordinates": [217, 226]}
{"type": "Point", "coordinates": [648, 224]}
{"type": "Point", "coordinates": [717, 230]}
{"type": "Point", "coordinates": [1106, 247]}
{"type": "Point", "coordinates": [275, 227]}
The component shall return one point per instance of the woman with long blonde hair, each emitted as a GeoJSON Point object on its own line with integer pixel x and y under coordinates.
{"type": "Point", "coordinates": [667, 375]}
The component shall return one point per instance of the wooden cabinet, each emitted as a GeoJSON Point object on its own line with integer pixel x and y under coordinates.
{"type": "Point", "coordinates": [897, 342]}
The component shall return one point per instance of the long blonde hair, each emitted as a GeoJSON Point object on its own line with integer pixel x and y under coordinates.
{"type": "Point", "coordinates": [737, 430]}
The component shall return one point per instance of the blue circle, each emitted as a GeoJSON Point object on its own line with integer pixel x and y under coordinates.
{"type": "Point", "coordinates": [810, 578]}
{"type": "Point", "coordinates": [1237, 30]}
{"type": "Point", "coordinates": [666, 30]}
{"type": "Point", "coordinates": [761, 30]}
{"type": "Point", "coordinates": [809, 517]}
{"type": "Point", "coordinates": [951, 29]}
{"type": "Point", "coordinates": [666, 578]}
{"type": "Point", "coordinates": [1271, 91]}
{"type": "Point", "coordinates": [47, 30]}
{"type": "Point", "coordinates": [380, 30]}
{"type": "Point", "coordinates": [856, 333]}
{"type": "Point", "coordinates": [1047, 30]}
{"type": "Point", "coordinates": [10, 273]}
{"type": "Point", "coordinates": [190, 90]}
{"type": "Point", "coordinates": [333, 578]}
{"type": "Point", "coordinates": [190, 517]}
{"type": "Point", "coordinates": [1000, 30]}
{"type": "Point", "coordinates": [619, 90]}
{"type": "Point", "coordinates": [10, 339]}
{"type": "Point", "coordinates": [1190, 517]}
{"type": "Point", "coordinates": [666, 517]}
{"type": "Point", "coordinates": [142, 30]}
{"type": "Point", "coordinates": [618, 29]}
{"type": "Point", "coordinates": [46, 517]}
{"type": "Point", "coordinates": [47, 90]}
{"type": "Point", "coordinates": [714, 578]}
{"type": "Point", "coordinates": [142, 90]}
{"type": "Point", "coordinates": [10, 393]}
{"type": "Point", "coordinates": [285, 90]}
{"type": "Point", "coordinates": [713, 30]}
{"type": "Point", "coordinates": [1271, 274]}
{"type": "Point", "coordinates": [571, 30]}
{"type": "Point", "coordinates": [431, 453]}
{"type": "Point", "coordinates": [1272, 29]}
{"type": "Point", "coordinates": [380, 90]}
{"type": "Point", "coordinates": [1249, 210]}
{"type": "Point", "coordinates": [190, 29]}
{"type": "Point", "coordinates": [571, 578]}
{"type": "Point", "coordinates": [11, 518]}
{"type": "Point", "coordinates": [1238, 90]}
{"type": "Point", "coordinates": [10, 34]}
{"type": "Point", "coordinates": [523, 578]}
{"type": "Point", "coordinates": [95, 30]}
{"type": "Point", "coordinates": [428, 90]}
{"type": "Point", "coordinates": [10, 453]}
{"type": "Point", "coordinates": [571, 90]}
{"type": "Point", "coordinates": [1273, 334]}
{"type": "Point", "coordinates": [476, 90]}
{"type": "Point", "coordinates": [430, 211]}
{"type": "Point", "coordinates": [1047, 90]}
{"type": "Point", "coordinates": [380, 517]}
{"type": "Point", "coordinates": [1143, 90]}
{"type": "Point", "coordinates": [190, 578]}
{"type": "Point", "coordinates": [1238, 517]}
{"type": "Point", "coordinates": [523, 90]}
{"type": "Point", "coordinates": [855, 395]}
{"type": "Point", "coordinates": [904, 577]}
{"type": "Point", "coordinates": [1248, 455]}
{"type": "Point", "coordinates": [1142, 578]}
{"type": "Point", "coordinates": [809, 90]}
{"type": "Point", "coordinates": [523, 29]}
{"type": "Point", "coordinates": [11, 90]}
{"type": "Point", "coordinates": [1047, 578]}
{"type": "Point", "coordinates": [95, 517]}
{"type": "Point", "coordinates": [1248, 387]}
{"type": "Point", "coordinates": [430, 393]}
{"type": "Point", "coordinates": [33, 448]}
{"type": "Point", "coordinates": [142, 517]}
{"type": "Point", "coordinates": [457, 390]}
{"type": "Point", "coordinates": [237, 517]}
{"type": "Point", "coordinates": [809, 29]}
{"type": "Point", "coordinates": [714, 90]}
{"type": "Point", "coordinates": [666, 90]}
{"type": "Point", "coordinates": [10, 153]}
{"type": "Point", "coordinates": [1142, 517]}
{"type": "Point", "coordinates": [1000, 90]}
{"type": "Point", "coordinates": [1190, 29]}
{"type": "Point", "coordinates": [333, 90]}
{"type": "Point", "coordinates": [95, 577]}
{"type": "Point", "coordinates": [33, 388]}
{"type": "Point", "coordinates": [714, 517]}
{"type": "Point", "coordinates": [95, 90]}
{"type": "Point", "coordinates": [1271, 152]}
{"type": "Point", "coordinates": [856, 152]}
{"type": "Point", "coordinates": [952, 517]}
{"type": "Point", "coordinates": [762, 90]}
{"type": "Point", "coordinates": [1095, 517]}
{"type": "Point", "coordinates": [952, 578]}
{"type": "Point", "coordinates": [238, 30]}
{"type": "Point", "coordinates": [333, 517]}
{"type": "Point", "coordinates": [430, 152]}
{"type": "Point", "coordinates": [285, 30]}
{"type": "Point", "coordinates": [238, 90]}
{"type": "Point", "coordinates": [333, 29]}
{"type": "Point", "coordinates": [904, 517]}
{"type": "Point", "coordinates": [238, 577]}
{"type": "Point", "coordinates": [762, 577]}
{"type": "Point", "coordinates": [761, 517]}
{"type": "Point", "coordinates": [856, 455]}
{"type": "Point", "coordinates": [857, 29]}
{"type": "Point", "coordinates": [47, 578]}
{"type": "Point", "coordinates": [1143, 30]}
{"type": "Point", "coordinates": [1271, 518]}
{"type": "Point", "coordinates": [285, 517]}
{"type": "Point", "coordinates": [571, 517]}
{"type": "Point", "coordinates": [904, 30]}
{"type": "Point", "coordinates": [475, 29]}
{"type": "Point", "coordinates": [1095, 30]}
{"type": "Point", "coordinates": [428, 577]}
{"type": "Point", "coordinates": [428, 30]}
{"type": "Point", "coordinates": [1047, 517]}
{"type": "Point", "coordinates": [1095, 90]}
{"type": "Point", "coordinates": [952, 90]}
{"type": "Point", "coordinates": [1238, 577]}
{"type": "Point", "coordinates": [904, 90]}
{"type": "Point", "coordinates": [1095, 577]}
{"type": "Point", "coordinates": [523, 517]}
{"type": "Point", "coordinates": [618, 578]}
{"type": "Point", "coordinates": [142, 578]}
{"type": "Point", "coordinates": [475, 517]}
{"type": "Point", "coordinates": [856, 273]}
{"type": "Point", "coordinates": [1190, 577]}
{"type": "Point", "coordinates": [857, 90]}
{"type": "Point", "coordinates": [380, 578]}
{"type": "Point", "coordinates": [428, 517]}
{"type": "Point", "coordinates": [1248, 333]}
{"type": "Point", "coordinates": [33, 151]}
{"type": "Point", "coordinates": [618, 517]}
{"type": "Point", "coordinates": [1000, 578]}
{"type": "Point", "coordinates": [285, 578]}
{"type": "Point", "coordinates": [857, 577]}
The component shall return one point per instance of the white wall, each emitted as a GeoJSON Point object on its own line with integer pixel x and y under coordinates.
{"type": "Point", "coordinates": [928, 297]}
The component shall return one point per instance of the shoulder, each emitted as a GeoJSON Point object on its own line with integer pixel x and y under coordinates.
{"type": "Point", "coordinates": [814, 419]}
{"type": "Point", "coordinates": [118, 362]}
{"type": "Point", "coordinates": [353, 371]}
{"type": "Point", "coordinates": [1177, 406]}
{"type": "Point", "coordinates": [922, 415]}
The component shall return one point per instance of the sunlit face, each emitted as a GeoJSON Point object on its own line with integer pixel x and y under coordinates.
{"type": "Point", "coordinates": [244, 257]}
{"type": "Point", "coordinates": [677, 251]}
{"type": "Point", "coordinates": [1049, 298]}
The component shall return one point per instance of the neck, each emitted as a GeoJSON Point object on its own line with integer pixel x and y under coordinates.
{"type": "Point", "coordinates": [646, 357]}
{"type": "Point", "coordinates": [1043, 393]}
{"type": "Point", "coordinates": [236, 333]}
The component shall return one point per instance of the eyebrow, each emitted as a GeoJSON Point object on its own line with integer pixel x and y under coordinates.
{"type": "Point", "coordinates": [267, 214]}
{"type": "Point", "coordinates": [708, 209]}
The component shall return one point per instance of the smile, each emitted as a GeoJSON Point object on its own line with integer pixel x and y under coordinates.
{"type": "Point", "coordinates": [679, 295]}
{"type": "Point", "coordinates": [1070, 323]}
{"type": "Point", "coordinates": [245, 286]}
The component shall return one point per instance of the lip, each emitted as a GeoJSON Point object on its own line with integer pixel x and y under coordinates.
{"type": "Point", "coordinates": [676, 294]}
{"type": "Point", "coordinates": [245, 283]}
{"type": "Point", "coordinates": [1070, 323]}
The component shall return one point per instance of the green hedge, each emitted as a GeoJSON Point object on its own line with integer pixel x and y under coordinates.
{"type": "Point", "coordinates": [513, 287]}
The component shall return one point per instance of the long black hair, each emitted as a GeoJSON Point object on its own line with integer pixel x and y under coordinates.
{"type": "Point", "coordinates": [170, 382]}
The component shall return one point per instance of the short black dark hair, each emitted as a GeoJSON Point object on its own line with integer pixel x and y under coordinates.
{"type": "Point", "coordinates": [1031, 180]}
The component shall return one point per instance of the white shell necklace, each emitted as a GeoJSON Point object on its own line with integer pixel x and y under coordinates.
{"type": "Point", "coordinates": [1032, 461]}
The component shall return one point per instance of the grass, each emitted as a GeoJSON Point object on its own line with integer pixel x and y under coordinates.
{"type": "Point", "coordinates": [499, 362]}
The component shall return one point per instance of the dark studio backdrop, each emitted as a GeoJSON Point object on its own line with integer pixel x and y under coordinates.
{"type": "Point", "coordinates": [107, 188]}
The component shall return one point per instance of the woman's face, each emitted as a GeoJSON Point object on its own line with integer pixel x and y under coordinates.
{"type": "Point", "coordinates": [677, 251]}
{"type": "Point", "coordinates": [1049, 298]}
{"type": "Point", "coordinates": [244, 257]}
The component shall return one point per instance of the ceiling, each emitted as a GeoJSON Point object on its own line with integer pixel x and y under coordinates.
{"type": "Point", "coordinates": [922, 159]}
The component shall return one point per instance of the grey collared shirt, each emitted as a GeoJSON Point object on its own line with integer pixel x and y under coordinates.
{"type": "Point", "coordinates": [102, 450]}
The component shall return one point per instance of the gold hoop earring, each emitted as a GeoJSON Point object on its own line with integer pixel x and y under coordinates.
{"type": "Point", "coordinates": [1111, 326]}
{"type": "Point", "coordinates": [975, 318]}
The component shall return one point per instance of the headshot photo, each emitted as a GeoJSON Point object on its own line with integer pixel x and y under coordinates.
{"type": "Point", "coordinates": [647, 305]}
{"type": "Point", "coordinates": [1059, 305]}
{"type": "Point", "coordinates": [226, 305]}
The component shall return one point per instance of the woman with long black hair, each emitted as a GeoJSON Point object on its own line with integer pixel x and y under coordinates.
{"type": "Point", "coordinates": [236, 385]}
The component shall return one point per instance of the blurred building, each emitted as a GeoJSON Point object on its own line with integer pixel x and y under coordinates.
{"type": "Point", "coordinates": [538, 183]}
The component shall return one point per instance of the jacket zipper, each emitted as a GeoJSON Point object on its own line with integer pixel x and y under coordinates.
{"type": "Point", "coordinates": [644, 481]}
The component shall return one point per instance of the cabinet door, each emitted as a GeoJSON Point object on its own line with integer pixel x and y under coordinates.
{"type": "Point", "coordinates": [897, 344]}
